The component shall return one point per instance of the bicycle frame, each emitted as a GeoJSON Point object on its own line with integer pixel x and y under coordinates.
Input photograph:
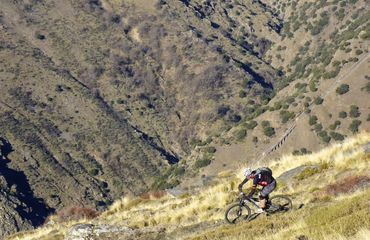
{"type": "Point", "coordinates": [252, 201]}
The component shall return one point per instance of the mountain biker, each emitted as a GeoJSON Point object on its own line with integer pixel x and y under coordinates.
{"type": "Point", "coordinates": [263, 177]}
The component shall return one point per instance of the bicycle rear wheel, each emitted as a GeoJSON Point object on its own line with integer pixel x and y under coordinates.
{"type": "Point", "coordinates": [236, 213]}
{"type": "Point", "coordinates": [280, 203]}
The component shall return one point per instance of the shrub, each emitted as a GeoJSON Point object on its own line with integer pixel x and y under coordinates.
{"type": "Point", "coordinates": [353, 127]}
{"type": "Point", "coordinates": [255, 139]}
{"type": "Point", "coordinates": [286, 115]}
{"type": "Point", "coordinates": [210, 150]}
{"type": "Point", "coordinates": [318, 127]}
{"type": "Point", "coordinates": [368, 117]}
{"type": "Point", "coordinates": [367, 87]}
{"type": "Point", "coordinates": [342, 89]}
{"type": "Point", "coordinates": [347, 185]}
{"type": "Point", "coordinates": [324, 136]}
{"type": "Point", "coordinates": [335, 125]}
{"type": "Point", "coordinates": [318, 100]}
{"type": "Point", "coordinates": [251, 125]}
{"type": "Point", "coordinates": [337, 136]}
{"type": "Point", "coordinates": [265, 124]}
{"type": "Point", "coordinates": [307, 172]}
{"type": "Point", "coordinates": [359, 51]}
{"type": "Point", "coordinates": [93, 172]}
{"type": "Point", "coordinates": [202, 162]}
{"type": "Point", "coordinates": [312, 86]}
{"type": "Point", "coordinates": [302, 151]}
{"type": "Point", "coordinates": [269, 131]}
{"type": "Point", "coordinates": [76, 213]}
{"type": "Point", "coordinates": [354, 111]}
{"type": "Point", "coordinates": [312, 120]}
{"type": "Point", "coordinates": [241, 134]}
{"type": "Point", "coordinates": [342, 114]}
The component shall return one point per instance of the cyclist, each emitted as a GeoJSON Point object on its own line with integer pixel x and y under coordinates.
{"type": "Point", "coordinates": [263, 177]}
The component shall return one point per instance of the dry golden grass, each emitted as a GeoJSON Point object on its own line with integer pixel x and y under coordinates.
{"type": "Point", "coordinates": [209, 204]}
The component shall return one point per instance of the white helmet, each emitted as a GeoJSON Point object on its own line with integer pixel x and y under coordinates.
{"type": "Point", "coordinates": [247, 172]}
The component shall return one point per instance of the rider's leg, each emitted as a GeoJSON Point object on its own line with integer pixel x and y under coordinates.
{"type": "Point", "coordinates": [263, 201]}
{"type": "Point", "coordinates": [265, 193]}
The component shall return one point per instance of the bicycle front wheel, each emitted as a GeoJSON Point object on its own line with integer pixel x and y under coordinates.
{"type": "Point", "coordinates": [280, 204]}
{"type": "Point", "coordinates": [236, 213]}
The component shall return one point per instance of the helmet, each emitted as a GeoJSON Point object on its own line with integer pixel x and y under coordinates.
{"type": "Point", "coordinates": [247, 172]}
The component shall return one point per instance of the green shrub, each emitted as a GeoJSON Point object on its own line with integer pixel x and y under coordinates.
{"type": "Point", "coordinates": [307, 172]}
{"type": "Point", "coordinates": [312, 86]}
{"type": "Point", "coordinates": [93, 172]}
{"type": "Point", "coordinates": [312, 120]}
{"type": "Point", "coordinates": [342, 89]}
{"type": "Point", "coordinates": [337, 136]}
{"type": "Point", "coordinates": [359, 51]}
{"type": "Point", "coordinates": [354, 111]}
{"type": "Point", "coordinates": [367, 87]}
{"type": "Point", "coordinates": [251, 125]}
{"type": "Point", "coordinates": [240, 134]}
{"type": "Point", "coordinates": [202, 162]}
{"type": "Point", "coordinates": [265, 124]}
{"type": "Point", "coordinates": [342, 114]}
{"type": "Point", "coordinates": [286, 115]}
{"type": "Point", "coordinates": [368, 117]}
{"type": "Point", "coordinates": [318, 101]}
{"type": "Point", "coordinates": [324, 136]}
{"type": "Point", "coordinates": [335, 125]}
{"type": "Point", "coordinates": [269, 131]}
{"type": "Point", "coordinates": [353, 127]}
{"type": "Point", "coordinates": [302, 151]}
{"type": "Point", "coordinates": [210, 149]}
{"type": "Point", "coordinates": [318, 127]}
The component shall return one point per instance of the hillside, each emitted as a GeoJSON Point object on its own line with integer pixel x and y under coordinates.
{"type": "Point", "coordinates": [101, 99]}
{"type": "Point", "coordinates": [336, 208]}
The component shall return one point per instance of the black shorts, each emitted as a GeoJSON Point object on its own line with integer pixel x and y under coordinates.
{"type": "Point", "coordinates": [268, 189]}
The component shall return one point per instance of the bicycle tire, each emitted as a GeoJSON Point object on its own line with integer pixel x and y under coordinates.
{"type": "Point", "coordinates": [238, 210]}
{"type": "Point", "coordinates": [281, 203]}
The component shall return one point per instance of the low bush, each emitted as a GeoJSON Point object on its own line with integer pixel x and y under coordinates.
{"type": "Point", "coordinates": [354, 111]}
{"type": "Point", "coordinates": [251, 125]}
{"type": "Point", "coordinates": [210, 149]}
{"type": "Point", "coordinates": [269, 131]}
{"type": "Point", "coordinates": [318, 101]}
{"type": "Point", "coordinates": [337, 136]}
{"type": "Point", "coordinates": [240, 134]}
{"type": "Point", "coordinates": [76, 213]}
{"type": "Point", "coordinates": [353, 127]}
{"type": "Point", "coordinates": [202, 162]}
{"type": "Point", "coordinates": [348, 185]}
{"type": "Point", "coordinates": [342, 114]}
{"type": "Point", "coordinates": [285, 116]}
{"type": "Point", "coordinates": [312, 120]}
{"type": "Point", "coordinates": [342, 89]}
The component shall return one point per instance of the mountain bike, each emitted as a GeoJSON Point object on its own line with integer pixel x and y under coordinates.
{"type": "Point", "coordinates": [242, 210]}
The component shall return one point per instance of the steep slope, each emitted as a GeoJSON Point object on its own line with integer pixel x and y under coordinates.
{"type": "Point", "coordinates": [97, 97]}
{"type": "Point", "coordinates": [102, 98]}
{"type": "Point", "coordinates": [323, 52]}
{"type": "Point", "coordinates": [336, 208]}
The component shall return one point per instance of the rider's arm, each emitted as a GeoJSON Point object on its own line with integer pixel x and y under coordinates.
{"type": "Point", "coordinates": [242, 183]}
{"type": "Point", "coordinates": [256, 180]}
{"type": "Point", "coordinates": [254, 187]}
